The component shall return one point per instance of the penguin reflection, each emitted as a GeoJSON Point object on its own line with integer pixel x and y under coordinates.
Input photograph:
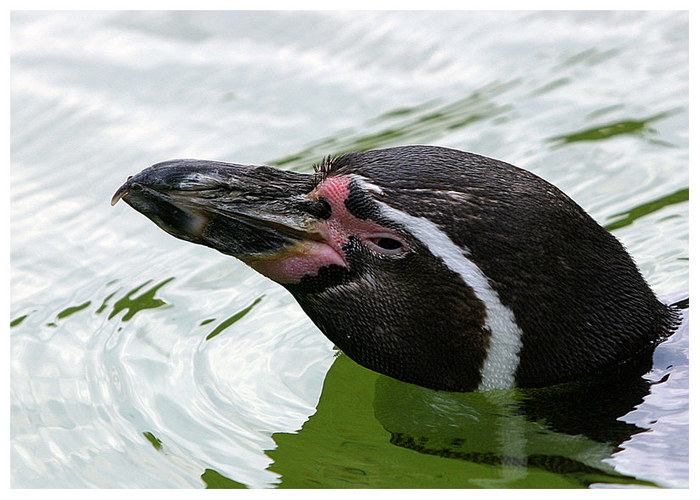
{"type": "Point", "coordinates": [567, 430]}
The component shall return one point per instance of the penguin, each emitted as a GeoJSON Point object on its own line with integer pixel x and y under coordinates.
{"type": "Point", "coordinates": [434, 266]}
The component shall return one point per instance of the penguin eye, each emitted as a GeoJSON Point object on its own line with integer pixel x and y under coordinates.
{"type": "Point", "coordinates": [386, 245]}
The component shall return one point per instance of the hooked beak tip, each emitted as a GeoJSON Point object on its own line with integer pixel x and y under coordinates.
{"type": "Point", "coordinates": [121, 192]}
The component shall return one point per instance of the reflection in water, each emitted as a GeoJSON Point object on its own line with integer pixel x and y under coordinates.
{"type": "Point", "coordinates": [132, 305]}
{"type": "Point", "coordinates": [157, 443]}
{"type": "Point", "coordinates": [368, 424]}
{"type": "Point", "coordinates": [230, 321]}
{"type": "Point", "coordinates": [639, 127]}
{"type": "Point", "coordinates": [214, 480]}
{"type": "Point", "coordinates": [18, 321]}
{"type": "Point", "coordinates": [144, 301]}
{"type": "Point", "coordinates": [568, 430]}
{"type": "Point", "coordinates": [628, 217]}
{"type": "Point", "coordinates": [590, 57]}
{"type": "Point", "coordinates": [411, 125]}
{"type": "Point", "coordinates": [68, 312]}
{"type": "Point", "coordinates": [72, 310]}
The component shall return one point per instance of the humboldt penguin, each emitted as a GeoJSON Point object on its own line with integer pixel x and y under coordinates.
{"type": "Point", "coordinates": [434, 266]}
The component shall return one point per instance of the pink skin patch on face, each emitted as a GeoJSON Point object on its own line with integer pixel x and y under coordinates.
{"type": "Point", "coordinates": [325, 247]}
{"type": "Point", "coordinates": [293, 263]}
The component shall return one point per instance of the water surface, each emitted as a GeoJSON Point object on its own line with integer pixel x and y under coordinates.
{"type": "Point", "coordinates": [141, 361]}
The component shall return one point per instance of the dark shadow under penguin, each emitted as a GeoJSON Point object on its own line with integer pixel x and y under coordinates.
{"type": "Point", "coordinates": [433, 266]}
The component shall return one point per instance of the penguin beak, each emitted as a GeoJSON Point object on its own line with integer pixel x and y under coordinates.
{"type": "Point", "coordinates": [260, 215]}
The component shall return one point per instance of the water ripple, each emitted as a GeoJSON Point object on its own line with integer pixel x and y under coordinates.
{"type": "Point", "coordinates": [139, 361]}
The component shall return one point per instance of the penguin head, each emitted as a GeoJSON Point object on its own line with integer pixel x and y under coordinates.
{"type": "Point", "coordinates": [433, 266]}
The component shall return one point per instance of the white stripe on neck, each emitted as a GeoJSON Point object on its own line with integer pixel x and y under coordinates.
{"type": "Point", "coordinates": [498, 370]}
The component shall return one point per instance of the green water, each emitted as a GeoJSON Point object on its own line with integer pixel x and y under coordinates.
{"type": "Point", "coordinates": [380, 433]}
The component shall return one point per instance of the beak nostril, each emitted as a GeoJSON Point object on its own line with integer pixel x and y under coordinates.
{"type": "Point", "coordinates": [325, 209]}
{"type": "Point", "coordinates": [320, 209]}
